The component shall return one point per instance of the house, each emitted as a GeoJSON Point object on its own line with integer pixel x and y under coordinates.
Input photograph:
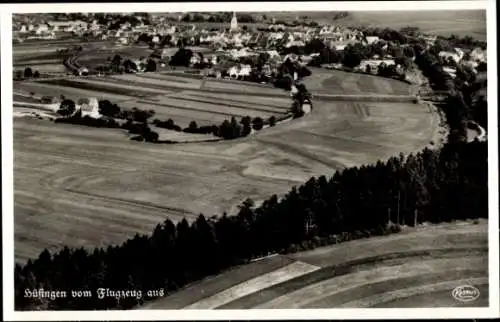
{"type": "Point", "coordinates": [374, 63]}
{"type": "Point", "coordinates": [478, 55]}
{"type": "Point", "coordinates": [41, 29]}
{"type": "Point", "coordinates": [82, 71]}
{"type": "Point", "coordinates": [450, 71]}
{"type": "Point", "coordinates": [123, 40]}
{"type": "Point", "coordinates": [91, 108]}
{"type": "Point", "coordinates": [371, 39]}
{"type": "Point", "coordinates": [450, 55]}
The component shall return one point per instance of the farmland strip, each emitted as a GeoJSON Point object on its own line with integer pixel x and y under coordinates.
{"type": "Point", "coordinates": [192, 109]}
{"type": "Point", "coordinates": [232, 105]}
{"type": "Point", "coordinates": [284, 106]}
{"type": "Point", "coordinates": [114, 89]}
{"type": "Point", "coordinates": [254, 285]}
{"type": "Point", "coordinates": [265, 297]}
{"type": "Point", "coordinates": [447, 285]}
{"type": "Point", "coordinates": [215, 284]}
{"type": "Point", "coordinates": [136, 202]}
{"type": "Point", "coordinates": [306, 154]}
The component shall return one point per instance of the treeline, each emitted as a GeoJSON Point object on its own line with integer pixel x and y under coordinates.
{"type": "Point", "coordinates": [431, 186]}
{"type": "Point", "coordinates": [228, 129]}
{"type": "Point", "coordinates": [26, 74]}
{"type": "Point", "coordinates": [136, 120]}
{"type": "Point", "coordinates": [224, 17]}
{"type": "Point", "coordinates": [466, 41]}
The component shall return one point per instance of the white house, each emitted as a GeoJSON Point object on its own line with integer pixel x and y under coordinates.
{"type": "Point", "coordinates": [41, 29]}
{"type": "Point", "coordinates": [91, 108]}
{"type": "Point", "coordinates": [478, 55]}
{"type": "Point", "coordinates": [453, 55]}
{"type": "Point", "coordinates": [371, 39]}
{"type": "Point", "coordinates": [451, 71]}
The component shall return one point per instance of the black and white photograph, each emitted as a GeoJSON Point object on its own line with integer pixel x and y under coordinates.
{"type": "Point", "coordinates": [250, 157]}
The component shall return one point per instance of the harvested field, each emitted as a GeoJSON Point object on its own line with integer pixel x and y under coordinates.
{"type": "Point", "coordinates": [439, 22]}
{"type": "Point", "coordinates": [66, 176]}
{"type": "Point", "coordinates": [180, 101]}
{"type": "Point", "coordinates": [410, 269]}
{"type": "Point", "coordinates": [41, 89]}
{"type": "Point", "coordinates": [105, 86]}
{"type": "Point", "coordinates": [99, 56]}
{"type": "Point", "coordinates": [27, 58]}
{"type": "Point", "coordinates": [44, 67]}
{"type": "Point", "coordinates": [25, 99]}
{"type": "Point", "coordinates": [340, 82]}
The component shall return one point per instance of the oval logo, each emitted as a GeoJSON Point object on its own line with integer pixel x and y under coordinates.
{"type": "Point", "coordinates": [465, 293]}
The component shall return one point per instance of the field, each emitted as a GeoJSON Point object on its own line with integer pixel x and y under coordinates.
{"type": "Point", "coordinates": [445, 23]}
{"type": "Point", "coordinates": [416, 268]}
{"type": "Point", "coordinates": [179, 97]}
{"type": "Point", "coordinates": [66, 176]}
{"type": "Point", "coordinates": [340, 82]}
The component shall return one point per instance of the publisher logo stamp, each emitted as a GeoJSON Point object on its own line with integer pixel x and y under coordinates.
{"type": "Point", "coordinates": [465, 293]}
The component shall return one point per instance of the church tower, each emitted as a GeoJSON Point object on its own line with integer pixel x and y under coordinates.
{"type": "Point", "coordinates": [234, 22]}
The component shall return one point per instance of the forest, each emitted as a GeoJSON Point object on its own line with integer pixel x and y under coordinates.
{"type": "Point", "coordinates": [430, 186]}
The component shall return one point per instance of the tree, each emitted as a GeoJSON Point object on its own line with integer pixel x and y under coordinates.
{"type": "Point", "coordinates": [193, 127]}
{"type": "Point", "coordinates": [151, 66]}
{"type": "Point", "coordinates": [272, 121]}
{"type": "Point", "coordinates": [247, 126]}
{"type": "Point", "coordinates": [106, 108]}
{"type": "Point", "coordinates": [66, 108]}
{"type": "Point", "coordinates": [36, 74]}
{"type": "Point", "coordinates": [181, 58]}
{"type": "Point", "coordinates": [296, 109]}
{"type": "Point", "coordinates": [258, 123]}
{"type": "Point", "coordinates": [352, 59]}
{"type": "Point", "coordinates": [28, 72]}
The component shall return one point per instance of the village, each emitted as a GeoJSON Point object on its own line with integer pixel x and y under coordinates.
{"type": "Point", "coordinates": [233, 50]}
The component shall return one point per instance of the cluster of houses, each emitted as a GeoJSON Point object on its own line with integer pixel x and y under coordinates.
{"type": "Point", "coordinates": [233, 43]}
{"type": "Point", "coordinates": [458, 57]}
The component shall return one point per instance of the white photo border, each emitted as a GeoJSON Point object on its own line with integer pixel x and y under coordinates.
{"type": "Point", "coordinates": [6, 11]}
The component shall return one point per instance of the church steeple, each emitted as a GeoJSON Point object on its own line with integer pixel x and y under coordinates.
{"type": "Point", "coordinates": [234, 22]}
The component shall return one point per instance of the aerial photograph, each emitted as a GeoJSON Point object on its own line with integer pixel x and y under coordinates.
{"type": "Point", "coordinates": [250, 160]}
